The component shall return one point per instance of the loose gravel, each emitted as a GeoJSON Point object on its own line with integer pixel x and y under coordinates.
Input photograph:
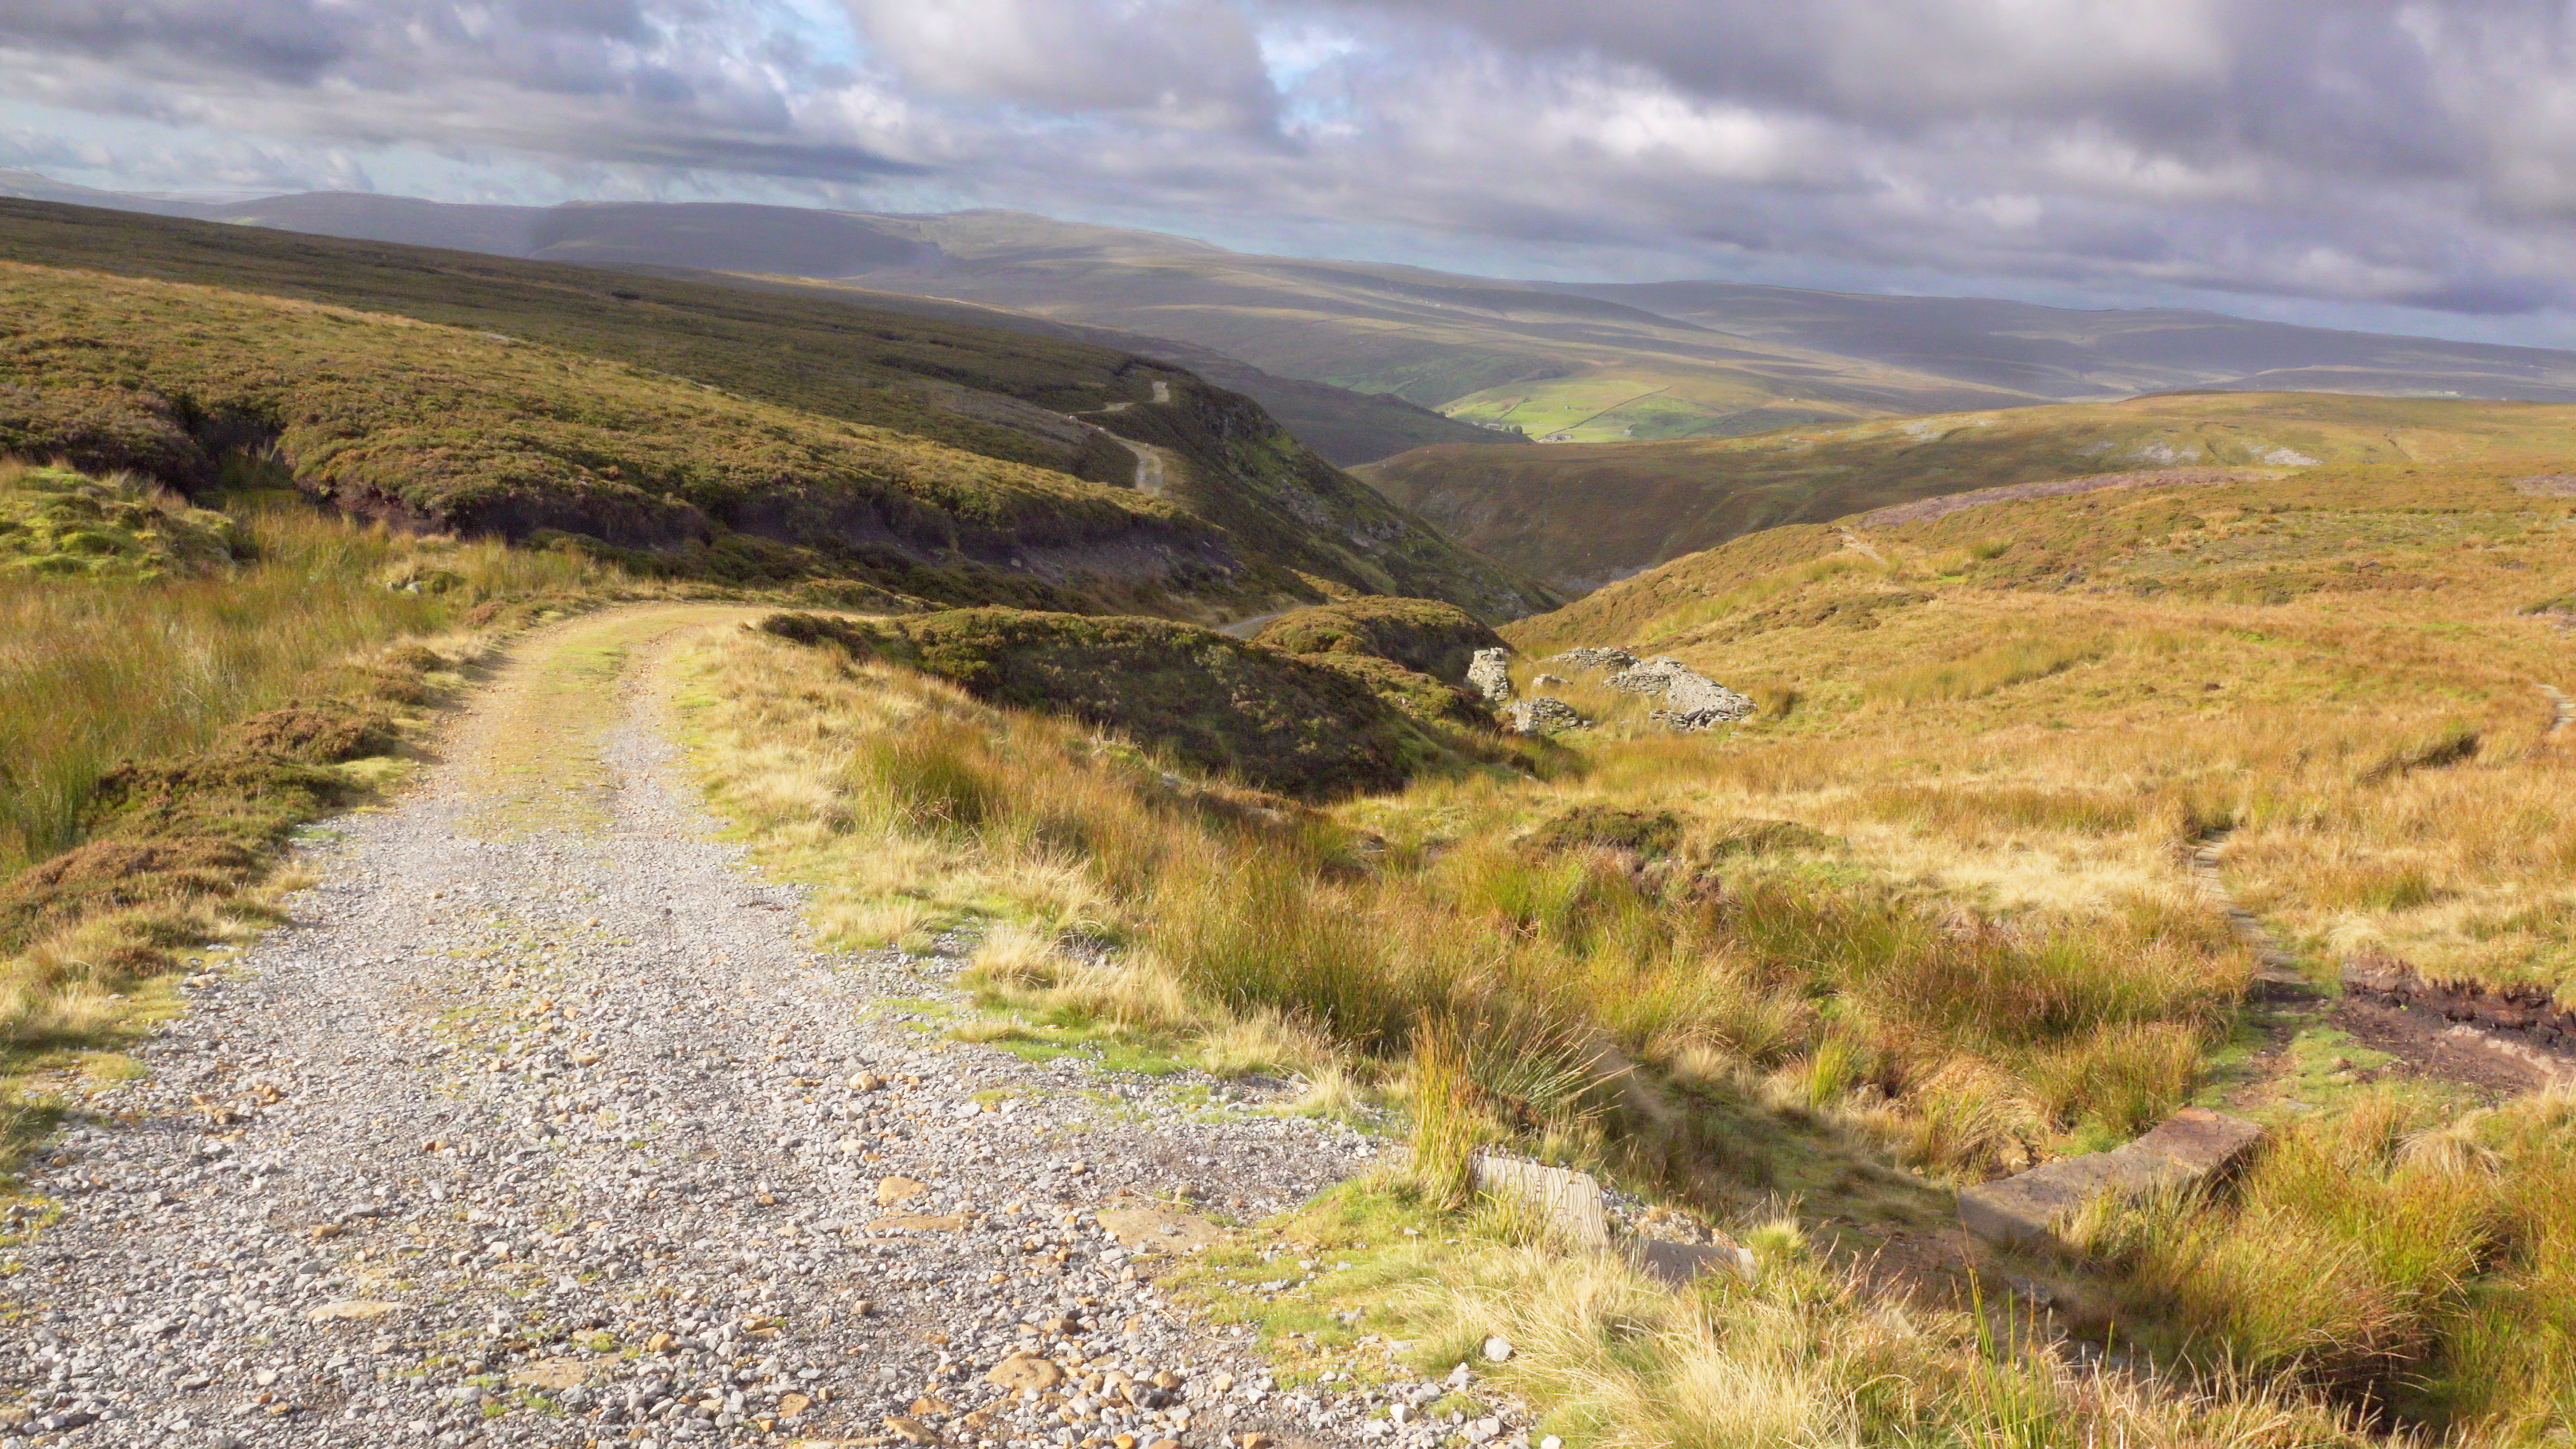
{"type": "Point", "coordinates": [567, 1139]}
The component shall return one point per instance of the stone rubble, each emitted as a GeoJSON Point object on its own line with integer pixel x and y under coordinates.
{"type": "Point", "coordinates": [1540, 715]}
{"type": "Point", "coordinates": [1692, 701]}
{"type": "Point", "coordinates": [1593, 660]}
{"type": "Point", "coordinates": [573, 1140]}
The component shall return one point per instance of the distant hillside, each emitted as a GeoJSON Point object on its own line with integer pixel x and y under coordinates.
{"type": "Point", "coordinates": [1344, 427]}
{"type": "Point", "coordinates": [1008, 397]}
{"type": "Point", "coordinates": [1580, 515]}
{"type": "Point", "coordinates": [778, 241]}
{"type": "Point", "coordinates": [2058, 352]}
{"type": "Point", "coordinates": [1585, 362]}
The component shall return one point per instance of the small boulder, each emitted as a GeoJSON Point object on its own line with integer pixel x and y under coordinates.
{"type": "Point", "coordinates": [1025, 1371]}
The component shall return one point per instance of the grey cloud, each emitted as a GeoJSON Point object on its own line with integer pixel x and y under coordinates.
{"type": "Point", "coordinates": [285, 40]}
{"type": "Point", "coordinates": [1192, 60]}
{"type": "Point", "coordinates": [2408, 152]}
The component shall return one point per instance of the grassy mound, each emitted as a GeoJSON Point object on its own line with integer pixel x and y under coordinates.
{"type": "Point", "coordinates": [1211, 702]}
{"type": "Point", "coordinates": [60, 523]}
{"type": "Point", "coordinates": [167, 846]}
{"type": "Point", "coordinates": [1422, 635]}
{"type": "Point", "coordinates": [1645, 834]}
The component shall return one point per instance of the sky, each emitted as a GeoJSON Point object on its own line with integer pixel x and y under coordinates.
{"type": "Point", "coordinates": [2403, 167]}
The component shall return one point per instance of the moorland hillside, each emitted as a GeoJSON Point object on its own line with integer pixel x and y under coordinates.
{"type": "Point", "coordinates": [1954, 903]}
{"type": "Point", "coordinates": [439, 430]}
{"type": "Point", "coordinates": [1579, 515]}
{"type": "Point", "coordinates": [1587, 362]}
{"type": "Point", "coordinates": [752, 246]}
{"type": "Point", "coordinates": [968, 387]}
{"type": "Point", "coordinates": [2060, 809]}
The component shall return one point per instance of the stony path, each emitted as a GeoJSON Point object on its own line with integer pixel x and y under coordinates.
{"type": "Point", "coordinates": [2275, 966]}
{"type": "Point", "coordinates": [564, 1136]}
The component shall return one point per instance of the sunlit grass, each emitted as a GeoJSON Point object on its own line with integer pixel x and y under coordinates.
{"type": "Point", "coordinates": [112, 670]}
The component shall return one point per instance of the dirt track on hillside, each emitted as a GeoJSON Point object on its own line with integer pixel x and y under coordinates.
{"type": "Point", "coordinates": [544, 1124]}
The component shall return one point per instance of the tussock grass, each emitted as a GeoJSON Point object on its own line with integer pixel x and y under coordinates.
{"type": "Point", "coordinates": [1577, 970]}
{"type": "Point", "coordinates": [1806, 1352]}
{"type": "Point", "coordinates": [2381, 1254]}
{"type": "Point", "coordinates": [2330, 670]}
{"type": "Point", "coordinates": [1998, 666]}
{"type": "Point", "coordinates": [154, 668]}
{"type": "Point", "coordinates": [209, 682]}
{"type": "Point", "coordinates": [2332, 664]}
{"type": "Point", "coordinates": [1806, 1356]}
{"type": "Point", "coordinates": [1959, 932]}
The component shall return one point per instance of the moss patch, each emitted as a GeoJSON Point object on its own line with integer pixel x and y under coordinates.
{"type": "Point", "coordinates": [66, 524]}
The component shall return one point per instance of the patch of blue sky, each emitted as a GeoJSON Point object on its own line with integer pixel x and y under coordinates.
{"type": "Point", "coordinates": [821, 30]}
{"type": "Point", "coordinates": [1293, 51]}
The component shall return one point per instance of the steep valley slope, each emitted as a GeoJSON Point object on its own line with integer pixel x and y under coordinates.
{"type": "Point", "coordinates": [1580, 515]}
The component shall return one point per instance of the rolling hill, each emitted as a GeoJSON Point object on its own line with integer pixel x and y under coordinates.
{"type": "Point", "coordinates": [784, 242]}
{"type": "Point", "coordinates": [1580, 515]}
{"type": "Point", "coordinates": [1293, 527]}
{"type": "Point", "coordinates": [1587, 363]}
{"type": "Point", "coordinates": [2057, 352]}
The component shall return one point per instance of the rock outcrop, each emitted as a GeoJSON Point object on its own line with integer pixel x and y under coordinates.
{"type": "Point", "coordinates": [1692, 701]}
{"type": "Point", "coordinates": [1672, 1250]}
{"type": "Point", "coordinates": [1489, 674]}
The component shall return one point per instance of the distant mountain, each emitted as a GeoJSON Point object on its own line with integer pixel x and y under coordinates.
{"type": "Point", "coordinates": [1560, 362]}
{"type": "Point", "coordinates": [2056, 352]}
{"type": "Point", "coordinates": [32, 187]}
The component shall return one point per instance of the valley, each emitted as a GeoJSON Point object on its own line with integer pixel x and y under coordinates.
{"type": "Point", "coordinates": [1582, 515]}
{"type": "Point", "coordinates": [1313, 338]}
{"type": "Point", "coordinates": [635, 843]}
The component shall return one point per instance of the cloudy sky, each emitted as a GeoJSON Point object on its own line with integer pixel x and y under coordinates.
{"type": "Point", "coordinates": [2399, 166]}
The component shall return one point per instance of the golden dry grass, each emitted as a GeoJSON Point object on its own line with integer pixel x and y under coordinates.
{"type": "Point", "coordinates": [1931, 906]}
{"type": "Point", "coordinates": [1355, 936]}
{"type": "Point", "coordinates": [2342, 670]}
{"type": "Point", "coordinates": [153, 668]}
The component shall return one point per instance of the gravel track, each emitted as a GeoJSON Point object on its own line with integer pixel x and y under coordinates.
{"type": "Point", "coordinates": [570, 1137]}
